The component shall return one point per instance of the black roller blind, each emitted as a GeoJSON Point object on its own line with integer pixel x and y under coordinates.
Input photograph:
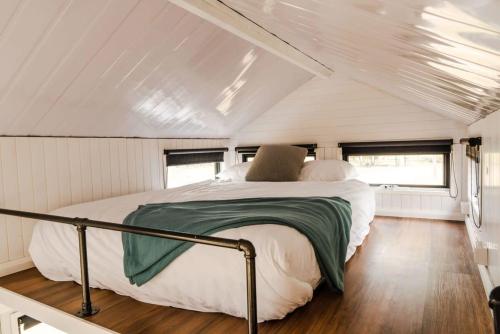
{"type": "Point", "coordinates": [253, 149]}
{"type": "Point", "coordinates": [397, 147]}
{"type": "Point", "coordinates": [194, 156]}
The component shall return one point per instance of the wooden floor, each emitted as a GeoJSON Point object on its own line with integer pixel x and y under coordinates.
{"type": "Point", "coordinates": [410, 276]}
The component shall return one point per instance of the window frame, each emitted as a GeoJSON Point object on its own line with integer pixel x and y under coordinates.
{"type": "Point", "coordinates": [245, 156]}
{"type": "Point", "coordinates": [415, 147]}
{"type": "Point", "coordinates": [205, 155]}
{"type": "Point", "coordinates": [250, 151]}
{"type": "Point", "coordinates": [217, 168]}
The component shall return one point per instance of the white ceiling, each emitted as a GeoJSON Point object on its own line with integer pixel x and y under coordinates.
{"type": "Point", "coordinates": [149, 68]}
{"type": "Point", "coordinates": [130, 68]}
{"type": "Point", "coordinates": [443, 55]}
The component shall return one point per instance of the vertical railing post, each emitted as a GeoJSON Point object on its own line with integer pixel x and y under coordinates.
{"type": "Point", "coordinates": [249, 250]}
{"type": "Point", "coordinates": [494, 304]}
{"type": "Point", "coordinates": [82, 224]}
{"type": "Point", "coordinates": [87, 309]}
{"type": "Point", "coordinates": [251, 295]}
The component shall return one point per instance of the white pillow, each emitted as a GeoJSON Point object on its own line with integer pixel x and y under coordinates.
{"type": "Point", "coordinates": [327, 170]}
{"type": "Point", "coordinates": [235, 173]}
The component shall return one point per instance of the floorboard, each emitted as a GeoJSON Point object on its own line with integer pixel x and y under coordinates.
{"type": "Point", "coordinates": [410, 276]}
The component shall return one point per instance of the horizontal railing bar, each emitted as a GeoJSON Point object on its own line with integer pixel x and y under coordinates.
{"type": "Point", "coordinates": [241, 245]}
{"type": "Point", "coordinates": [82, 223]}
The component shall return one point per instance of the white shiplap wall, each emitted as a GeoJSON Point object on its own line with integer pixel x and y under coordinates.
{"type": "Point", "coordinates": [327, 112]}
{"type": "Point", "coordinates": [417, 203]}
{"type": "Point", "coordinates": [42, 174]}
{"type": "Point", "coordinates": [341, 109]}
{"type": "Point", "coordinates": [490, 164]}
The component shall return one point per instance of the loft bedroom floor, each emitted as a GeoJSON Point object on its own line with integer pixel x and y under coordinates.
{"type": "Point", "coordinates": [409, 276]}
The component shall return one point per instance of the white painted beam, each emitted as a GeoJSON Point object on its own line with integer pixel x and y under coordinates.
{"type": "Point", "coordinates": [226, 18]}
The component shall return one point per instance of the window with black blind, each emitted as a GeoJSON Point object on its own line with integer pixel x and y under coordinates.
{"type": "Point", "coordinates": [247, 153]}
{"type": "Point", "coordinates": [421, 163]}
{"type": "Point", "coordinates": [189, 166]}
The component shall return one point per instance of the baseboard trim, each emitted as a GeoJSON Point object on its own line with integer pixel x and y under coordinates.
{"type": "Point", "coordinates": [15, 266]}
{"type": "Point", "coordinates": [483, 270]}
{"type": "Point", "coordinates": [485, 278]}
{"type": "Point", "coordinates": [420, 214]}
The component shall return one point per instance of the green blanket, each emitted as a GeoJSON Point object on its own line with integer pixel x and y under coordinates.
{"type": "Point", "coordinates": [325, 221]}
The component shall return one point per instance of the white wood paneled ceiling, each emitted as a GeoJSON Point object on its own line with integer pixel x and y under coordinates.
{"type": "Point", "coordinates": [130, 68]}
{"type": "Point", "coordinates": [442, 55]}
{"type": "Point", "coordinates": [150, 68]}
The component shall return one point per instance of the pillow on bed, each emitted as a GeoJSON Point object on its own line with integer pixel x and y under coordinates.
{"type": "Point", "coordinates": [277, 163]}
{"type": "Point", "coordinates": [328, 170]}
{"type": "Point", "coordinates": [235, 173]}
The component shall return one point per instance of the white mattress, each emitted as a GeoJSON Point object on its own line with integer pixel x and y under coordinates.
{"type": "Point", "coordinates": [204, 278]}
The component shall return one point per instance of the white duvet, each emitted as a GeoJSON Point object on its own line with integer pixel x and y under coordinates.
{"type": "Point", "coordinates": [204, 278]}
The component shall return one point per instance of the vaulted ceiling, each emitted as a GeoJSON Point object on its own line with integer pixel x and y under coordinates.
{"type": "Point", "coordinates": [130, 68]}
{"type": "Point", "coordinates": [150, 68]}
{"type": "Point", "coordinates": [443, 55]}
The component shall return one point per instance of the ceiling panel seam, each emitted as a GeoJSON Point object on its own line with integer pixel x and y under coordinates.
{"type": "Point", "coordinates": [275, 35]}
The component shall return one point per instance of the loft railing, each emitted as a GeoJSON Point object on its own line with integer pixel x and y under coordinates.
{"type": "Point", "coordinates": [81, 225]}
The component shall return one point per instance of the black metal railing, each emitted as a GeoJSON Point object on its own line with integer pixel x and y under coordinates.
{"type": "Point", "coordinates": [494, 304]}
{"type": "Point", "coordinates": [81, 225]}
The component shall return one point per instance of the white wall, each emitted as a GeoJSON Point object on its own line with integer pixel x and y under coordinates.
{"type": "Point", "coordinates": [42, 174]}
{"type": "Point", "coordinates": [489, 130]}
{"type": "Point", "coordinates": [327, 112]}
{"type": "Point", "coordinates": [418, 202]}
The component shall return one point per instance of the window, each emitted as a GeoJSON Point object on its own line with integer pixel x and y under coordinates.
{"type": "Point", "coordinates": [404, 163]}
{"type": "Point", "coordinates": [187, 174]}
{"type": "Point", "coordinates": [250, 157]}
{"type": "Point", "coordinates": [401, 169]}
{"type": "Point", "coordinates": [247, 153]}
{"type": "Point", "coordinates": [190, 166]}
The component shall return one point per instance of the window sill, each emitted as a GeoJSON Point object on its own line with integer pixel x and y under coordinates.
{"type": "Point", "coordinates": [413, 191]}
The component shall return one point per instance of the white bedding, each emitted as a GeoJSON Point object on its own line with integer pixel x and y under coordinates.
{"type": "Point", "coordinates": [204, 278]}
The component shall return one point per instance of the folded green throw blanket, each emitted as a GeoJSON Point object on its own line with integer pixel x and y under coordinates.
{"type": "Point", "coordinates": [325, 221]}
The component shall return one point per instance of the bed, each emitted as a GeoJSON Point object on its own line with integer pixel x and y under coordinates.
{"type": "Point", "coordinates": [199, 279]}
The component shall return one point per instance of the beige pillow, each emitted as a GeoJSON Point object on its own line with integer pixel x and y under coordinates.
{"type": "Point", "coordinates": [277, 163]}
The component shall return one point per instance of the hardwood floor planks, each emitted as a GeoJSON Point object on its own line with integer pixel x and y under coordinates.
{"type": "Point", "coordinates": [410, 276]}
